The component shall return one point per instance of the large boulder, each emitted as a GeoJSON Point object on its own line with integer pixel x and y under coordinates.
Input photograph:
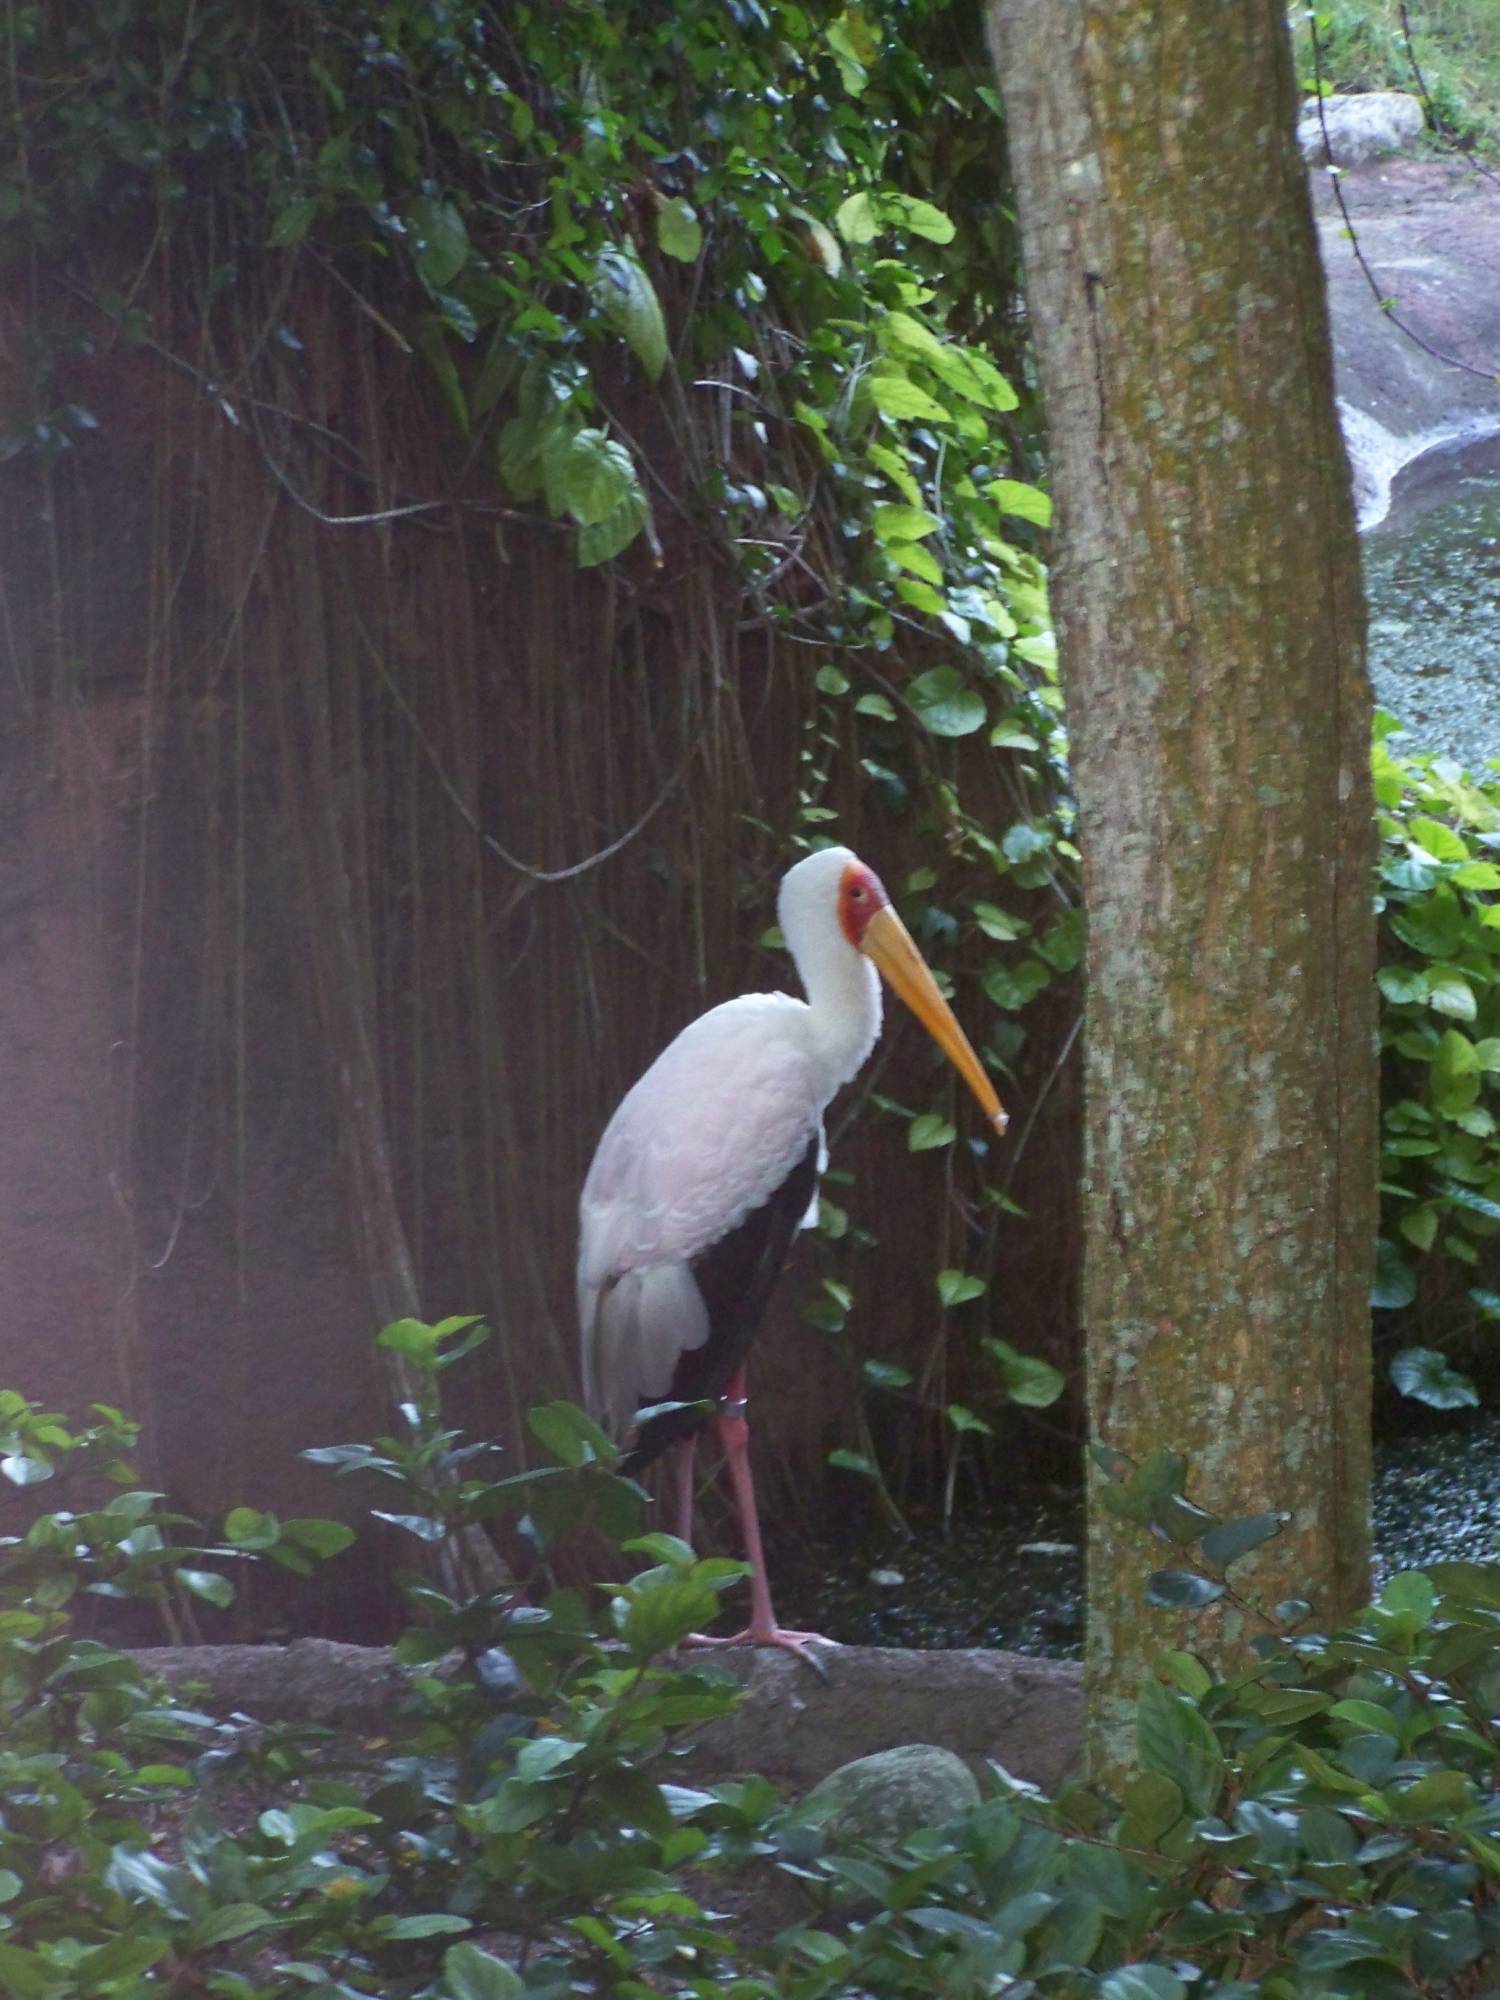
{"type": "Point", "coordinates": [1353, 129]}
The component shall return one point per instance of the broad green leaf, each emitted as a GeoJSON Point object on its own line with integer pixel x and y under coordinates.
{"type": "Point", "coordinates": [1429, 1377]}
{"type": "Point", "coordinates": [1440, 841]}
{"type": "Point", "coordinates": [963, 1419]}
{"type": "Point", "coordinates": [998, 923]}
{"type": "Point", "coordinates": [899, 396]}
{"type": "Point", "coordinates": [1012, 986]}
{"type": "Point", "coordinates": [601, 541]}
{"type": "Point", "coordinates": [928, 1131]}
{"type": "Point", "coordinates": [1419, 1226]}
{"type": "Point", "coordinates": [919, 559]}
{"type": "Point", "coordinates": [1402, 984]}
{"type": "Point", "coordinates": [855, 219]}
{"type": "Point", "coordinates": [1448, 992]}
{"type": "Point", "coordinates": [588, 475]}
{"type": "Point", "coordinates": [472, 1974]}
{"type": "Point", "coordinates": [627, 299]}
{"type": "Point", "coordinates": [944, 703]}
{"type": "Point", "coordinates": [854, 1461]}
{"type": "Point", "coordinates": [292, 223]}
{"type": "Point", "coordinates": [922, 218]}
{"type": "Point", "coordinates": [878, 705]}
{"type": "Point", "coordinates": [678, 230]}
{"type": "Point", "coordinates": [1027, 503]}
{"type": "Point", "coordinates": [1230, 1540]}
{"type": "Point", "coordinates": [440, 242]}
{"type": "Point", "coordinates": [1182, 1590]}
{"type": "Point", "coordinates": [903, 524]}
{"type": "Point", "coordinates": [1455, 1074]}
{"type": "Point", "coordinates": [569, 1434]}
{"type": "Point", "coordinates": [1395, 1283]}
{"type": "Point", "coordinates": [900, 330]}
{"type": "Point", "coordinates": [956, 1288]}
{"type": "Point", "coordinates": [207, 1584]}
{"type": "Point", "coordinates": [1174, 1741]}
{"type": "Point", "coordinates": [1033, 1383]}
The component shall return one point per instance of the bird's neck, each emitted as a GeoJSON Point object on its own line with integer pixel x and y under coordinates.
{"type": "Point", "coordinates": [843, 998]}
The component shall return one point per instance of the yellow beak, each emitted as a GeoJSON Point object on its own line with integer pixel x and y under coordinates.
{"type": "Point", "coordinates": [888, 944]}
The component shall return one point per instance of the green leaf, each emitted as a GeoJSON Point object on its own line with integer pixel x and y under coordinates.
{"type": "Point", "coordinates": [425, 1924]}
{"type": "Point", "coordinates": [292, 223]}
{"type": "Point", "coordinates": [1448, 992]}
{"type": "Point", "coordinates": [956, 1288]}
{"type": "Point", "coordinates": [878, 705]}
{"type": "Point", "coordinates": [207, 1584]}
{"type": "Point", "coordinates": [1402, 985]}
{"type": "Point", "coordinates": [1419, 1226]}
{"type": "Point", "coordinates": [472, 1974]}
{"type": "Point", "coordinates": [1395, 1283]}
{"type": "Point", "coordinates": [1012, 986]}
{"type": "Point", "coordinates": [899, 396]}
{"type": "Point", "coordinates": [903, 524]}
{"type": "Point", "coordinates": [886, 1374]}
{"type": "Point", "coordinates": [1181, 1589]}
{"type": "Point", "coordinates": [602, 541]}
{"type": "Point", "coordinates": [927, 1131]}
{"type": "Point", "coordinates": [944, 704]}
{"type": "Point", "coordinates": [587, 475]}
{"type": "Point", "coordinates": [627, 299]}
{"type": "Point", "coordinates": [230, 1920]}
{"type": "Point", "coordinates": [963, 1418]}
{"type": "Point", "coordinates": [1440, 841]}
{"type": "Point", "coordinates": [1230, 1540]}
{"type": "Point", "coordinates": [998, 923]}
{"type": "Point", "coordinates": [570, 1434]}
{"type": "Point", "coordinates": [922, 218]}
{"type": "Point", "coordinates": [855, 219]}
{"type": "Point", "coordinates": [1455, 1074]}
{"type": "Point", "coordinates": [440, 241]}
{"type": "Point", "coordinates": [1028, 1380]}
{"type": "Point", "coordinates": [1174, 1741]}
{"type": "Point", "coordinates": [678, 230]}
{"type": "Point", "coordinates": [921, 562]}
{"type": "Point", "coordinates": [854, 1461]}
{"type": "Point", "coordinates": [1428, 1377]}
{"type": "Point", "coordinates": [1367, 1716]}
{"type": "Point", "coordinates": [1027, 503]}
{"type": "Point", "coordinates": [1142, 1982]}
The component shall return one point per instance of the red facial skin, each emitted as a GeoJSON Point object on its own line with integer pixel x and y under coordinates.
{"type": "Point", "coordinates": [861, 894]}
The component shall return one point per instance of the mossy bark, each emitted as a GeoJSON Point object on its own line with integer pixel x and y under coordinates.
{"type": "Point", "coordinates": [1207, 592]}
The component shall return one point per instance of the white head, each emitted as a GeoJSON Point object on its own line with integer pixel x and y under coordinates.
{"type": "Point", "coordinates": [834, 913]}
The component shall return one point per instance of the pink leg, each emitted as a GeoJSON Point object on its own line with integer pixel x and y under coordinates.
{"type": "Point", "coordinates": [734, 1435]}
{"type": "Point", "coordinates": [682, 1468]}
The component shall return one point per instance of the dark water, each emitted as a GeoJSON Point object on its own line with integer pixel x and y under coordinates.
{"type": "Point", "coordinates": [1016, 1579]}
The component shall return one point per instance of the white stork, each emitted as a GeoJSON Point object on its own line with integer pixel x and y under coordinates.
{"type": "Point", "coordinates": [710, 1167]}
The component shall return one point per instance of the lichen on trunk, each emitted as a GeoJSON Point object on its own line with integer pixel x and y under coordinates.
{"type": "Point", "coordinates": [1207, 595]}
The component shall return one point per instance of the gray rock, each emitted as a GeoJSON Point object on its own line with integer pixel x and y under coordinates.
{"type": "Point", "coordinates": [1360, 128]}
{"type": "Point", "coordinates": [1026, 1714]}
{"type": "Point", "coordinates": [891, 1794]}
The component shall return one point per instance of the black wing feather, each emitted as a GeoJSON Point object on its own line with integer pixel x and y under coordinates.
{"type": "Point", "coordinates": [736, 1276]}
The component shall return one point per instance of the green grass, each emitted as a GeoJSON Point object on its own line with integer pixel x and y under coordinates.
{"type": "Point", "coordinates": [1361, 46]}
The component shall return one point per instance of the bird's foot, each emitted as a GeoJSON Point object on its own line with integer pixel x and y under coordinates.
{"type": "Point", "coordinates": [796, 1643]}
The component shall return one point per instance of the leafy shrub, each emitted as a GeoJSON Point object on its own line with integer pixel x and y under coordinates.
{"type": "Point", "coordinates": [1325, 1821]}
{"type": "Point", "coordinates": [1439, 981]}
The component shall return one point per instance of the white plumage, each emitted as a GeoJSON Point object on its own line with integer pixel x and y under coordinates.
{"type": "Point", "coordinates": [710, 1165]}
{"type": "Point", "coordinates": [708, 1134]}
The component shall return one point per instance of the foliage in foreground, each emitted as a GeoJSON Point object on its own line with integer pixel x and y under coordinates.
{"type": "Point", "coordinates": [1324, 1822]}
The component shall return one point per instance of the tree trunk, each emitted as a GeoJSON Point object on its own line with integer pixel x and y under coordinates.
{"type": "Point", "coordinates": [1207, 594]}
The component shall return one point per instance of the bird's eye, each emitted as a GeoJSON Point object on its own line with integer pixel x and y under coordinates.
{"type": "Point", "coordinates": [856, 894]}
